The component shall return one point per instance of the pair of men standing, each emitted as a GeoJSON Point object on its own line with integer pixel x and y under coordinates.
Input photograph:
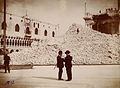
{"type": "Point", "coordinates": [68, 65]}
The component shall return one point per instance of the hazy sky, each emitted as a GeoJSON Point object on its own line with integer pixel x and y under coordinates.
{"type": "Point", "coordinates": [62, 12]}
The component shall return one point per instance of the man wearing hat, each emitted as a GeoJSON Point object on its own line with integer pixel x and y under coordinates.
{"type": "Point", "coordinates": [60, 65]}
{"type": "Point", "coordinates": [6, 63]}
{"type": "Point", "coordinates": [68, 65]}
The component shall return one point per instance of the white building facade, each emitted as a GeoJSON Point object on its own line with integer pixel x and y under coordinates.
{"type": "Point", "coordinates": [21, 31]}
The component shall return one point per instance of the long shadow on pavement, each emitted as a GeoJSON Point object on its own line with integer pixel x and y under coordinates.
{"type": "Point", "coordinates": [46, 78]}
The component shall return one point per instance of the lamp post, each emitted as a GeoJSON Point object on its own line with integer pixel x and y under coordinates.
{"type": "Point", "coordinates": [4, 37]}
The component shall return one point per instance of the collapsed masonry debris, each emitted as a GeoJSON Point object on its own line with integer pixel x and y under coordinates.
{"type": "Point", "coordinates": [87, 47]}
{"type": "Point", "coordinates": [92, 47]}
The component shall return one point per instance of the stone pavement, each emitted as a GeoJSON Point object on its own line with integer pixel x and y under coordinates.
{"type": "Point", "coordinates": [84, 76]}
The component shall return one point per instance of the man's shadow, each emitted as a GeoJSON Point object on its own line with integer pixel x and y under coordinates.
{"type": "Point", "coordinates": [46, 78]}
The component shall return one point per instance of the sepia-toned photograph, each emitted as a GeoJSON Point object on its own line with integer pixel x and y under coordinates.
{"type": "Point", "coordinates": [59, 43]}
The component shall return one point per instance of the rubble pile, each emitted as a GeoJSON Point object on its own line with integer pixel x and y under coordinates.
{"type": "Point", "coordinates": [87, 46]}
{"type": "Point", "coordinates": [42, 54]}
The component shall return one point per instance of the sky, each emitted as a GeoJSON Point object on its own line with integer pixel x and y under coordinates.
{"type": "Point", "coordinates": [62, 12]}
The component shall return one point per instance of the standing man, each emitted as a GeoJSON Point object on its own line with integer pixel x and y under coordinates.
{"type": "Point", "coordinates": [68, 65]}
{"type": "Point", "coordinates": [60, 65]}
{"type": "Point", "coordinates": [6, 63]}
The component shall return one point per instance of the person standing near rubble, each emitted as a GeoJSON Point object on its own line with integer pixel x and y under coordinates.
{"type": "Point", "coordinates": [6, 63]}
{"type": "Point", "coordinates": [68, 65]}
{"type": "Point", "coordinates": [60, 65]}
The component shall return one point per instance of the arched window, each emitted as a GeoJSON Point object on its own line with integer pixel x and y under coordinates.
{"type": "Point", "coordinates": [28, 30]}
{"type": "Point", "coordinates": [34, 25]}
{"type": "Point", "coordinates": [36, 31]}
{"type": "Point", "coordinates": [7, 42]}
{"type": "Point", "coordinates": [3, 25]}
{"type": "Point", "coordinates": [10, 42]}
{"type": "Point", "coordinates": [38, 25]}
{"type": "Point", "coordinates": [2, 41]}
{"type": "Point", "coordinates": [45, 33]}
{"type": "Point", "coordinates": [23, 43]}
{"type": "Point", "coordinates": [18, 42]}
{"type": "Point", "coordinates": [17, 28]}
{"type": "Point", "coordinates": [0, 51]}
{"type": "Point", "coordinates": [53, 34]}
{"type": "Point", "coordinates": [77, 30]}
{"type": "Point", "coordinates": [13, 42]}
{"type": "Point", "coordinates": [27, 43]}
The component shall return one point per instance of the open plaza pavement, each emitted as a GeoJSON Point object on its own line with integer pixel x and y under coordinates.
{"type": "Point", "coordinates": [84, 76]}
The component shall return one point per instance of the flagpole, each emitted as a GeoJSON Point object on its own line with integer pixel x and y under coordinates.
{"type": "Point", "coordinates": [4, 37]}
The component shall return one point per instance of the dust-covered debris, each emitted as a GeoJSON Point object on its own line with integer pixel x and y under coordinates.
{"type": "Point", "coordinates": [87, 46]}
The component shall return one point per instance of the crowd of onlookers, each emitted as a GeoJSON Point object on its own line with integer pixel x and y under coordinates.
{"type": "Point", "coordinates": [87, 46]}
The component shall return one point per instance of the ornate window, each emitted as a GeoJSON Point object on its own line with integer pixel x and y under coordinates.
{"type": "Point", "coordinates": [36, 31]}
{"type": "Point", "coordinates": [45, 33]}
{"type": "Point", "coordinates": [28, 30]}
{"type": "Point", "coordinates": [17, 28]}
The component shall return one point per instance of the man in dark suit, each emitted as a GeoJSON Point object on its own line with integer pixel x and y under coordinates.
{"type": "Point", "coordinates": [60, 65]}
{"type": "Point", "coordinates": [68, 65]}
{"type": "Point", "coordinates": [6, 63]}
